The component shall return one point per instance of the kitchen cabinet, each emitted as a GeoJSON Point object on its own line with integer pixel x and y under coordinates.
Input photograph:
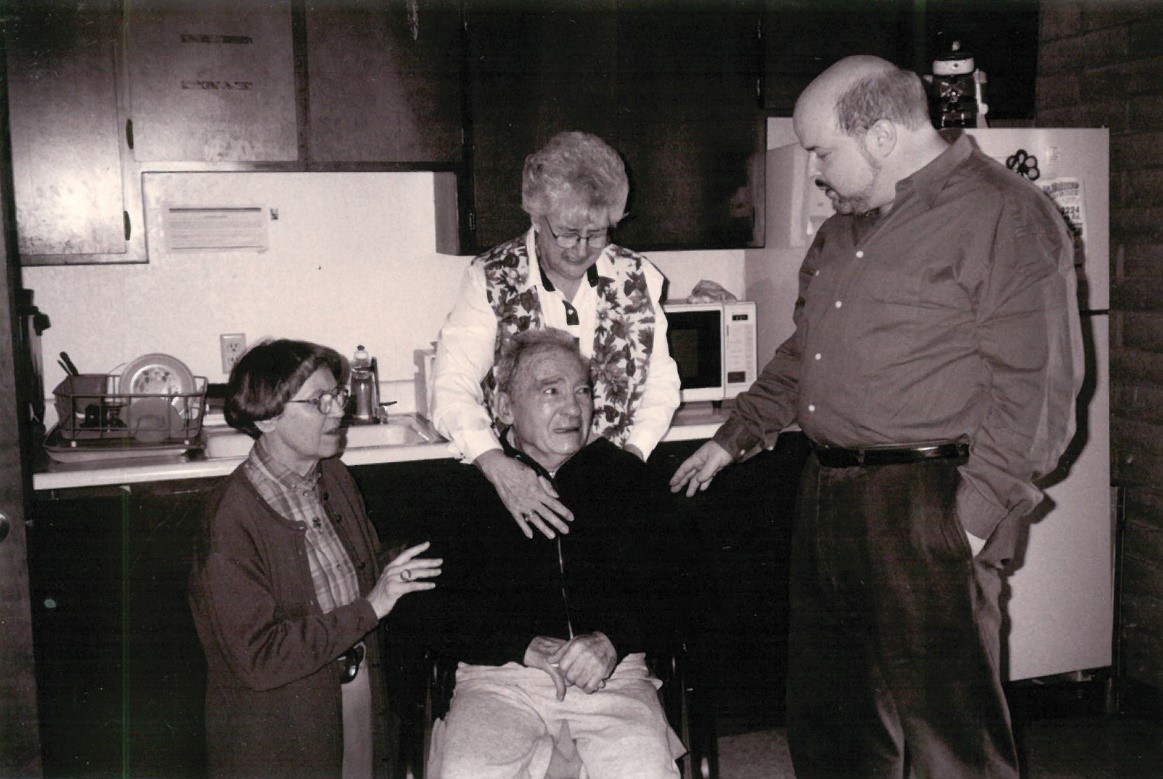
{"type": "Point", "coordinates": [530, 75]}
{"type": "Point", "coordinates": [384, 83]}
{"type": "Point", "coordinates": [77, 198]}
{"type": "Point", "coordinates": [120, 672]}
{"type": "Point", "coordinates": [689, 125]}
{"type": "Point", "coordinates": [211, 82]}
{"type": "Point", "coordinates": [78, 604]}
{"type": "Point", "coordinates": [803, 37]}
{"type": "Point", "coordinates": [673, 90]}
{"type": "Point", "coordinates": [102, 93]}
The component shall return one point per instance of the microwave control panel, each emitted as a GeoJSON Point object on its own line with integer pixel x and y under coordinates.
{"type": "Point", "coordinates": [739, 359]}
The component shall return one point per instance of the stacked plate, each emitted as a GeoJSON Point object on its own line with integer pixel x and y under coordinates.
{"type": "Point", "coordinates": [161, 397]}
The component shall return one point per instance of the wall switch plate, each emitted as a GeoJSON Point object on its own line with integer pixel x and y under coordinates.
{"type": "Point", "coordinates": [232, 346]}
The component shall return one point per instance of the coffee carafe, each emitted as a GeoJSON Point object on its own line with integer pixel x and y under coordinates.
{"type": "Point", "coordinates": [365, 388]}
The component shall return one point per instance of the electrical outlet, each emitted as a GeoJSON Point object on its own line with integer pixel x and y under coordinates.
{"type": "Point", "coordinates": [232, 345]}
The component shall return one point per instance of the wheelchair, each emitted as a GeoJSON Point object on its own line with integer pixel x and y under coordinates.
{"type": "Point", "coordinates": [424, 698]}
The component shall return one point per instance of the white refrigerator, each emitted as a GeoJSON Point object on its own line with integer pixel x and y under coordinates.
{"type": "Point", "coordinates": [1060, 597]}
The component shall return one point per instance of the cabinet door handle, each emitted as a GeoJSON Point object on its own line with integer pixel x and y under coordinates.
{"type": "Point", "coordinates": [129, 133]}
{"type": "Point", "coordinates": [128, 224]}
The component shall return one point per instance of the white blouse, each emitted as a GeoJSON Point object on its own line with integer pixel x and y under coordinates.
{"type": "Point", "coordinates": [464, 355]}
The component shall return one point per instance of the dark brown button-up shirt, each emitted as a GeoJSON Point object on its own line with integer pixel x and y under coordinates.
{"type": "Point", "coordinates": [953, 317]}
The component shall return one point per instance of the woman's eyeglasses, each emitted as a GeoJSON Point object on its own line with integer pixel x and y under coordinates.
{"type": "Point", "coordinates": [326, 401]}
{"type": "Point", "coordinates": [570, 240]}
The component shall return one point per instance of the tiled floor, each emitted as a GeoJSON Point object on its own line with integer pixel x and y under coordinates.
{"type": "Point", "coordinates": [1068, 748]}
{"type": "Point", "coordinates": [1062, 733]}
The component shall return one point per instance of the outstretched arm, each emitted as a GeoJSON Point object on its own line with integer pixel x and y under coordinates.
{"type": "Point", "coordinates": [697, 471]}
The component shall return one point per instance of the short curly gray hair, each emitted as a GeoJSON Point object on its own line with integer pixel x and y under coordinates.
{"type": "Point", "coordinates": [528, 343]}
{"type": "Point", "coordinates": [575, 167]}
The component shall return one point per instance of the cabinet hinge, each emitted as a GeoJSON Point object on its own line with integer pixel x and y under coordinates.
{"type": "Point", "coordinates": [128, 224]}
{"type": "Point", "coordinates": [129, 133]}
{"type": "Point", "coordinates": [472, 221]}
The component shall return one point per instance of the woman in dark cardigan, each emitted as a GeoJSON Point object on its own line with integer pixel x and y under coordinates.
{"type": "Point", "coordinates": [287, 591]}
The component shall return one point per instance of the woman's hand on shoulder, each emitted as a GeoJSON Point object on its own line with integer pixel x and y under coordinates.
{"type": "Point", "coordinates": [404, 574]}
{"type": "Point", "coordinates": [529, 497]}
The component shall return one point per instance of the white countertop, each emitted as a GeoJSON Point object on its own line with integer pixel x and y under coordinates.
{"type": "Point", "coordinates": [689, 424]}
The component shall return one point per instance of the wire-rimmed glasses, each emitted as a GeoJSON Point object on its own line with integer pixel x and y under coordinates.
{"type": "Point", "coordinates": [325, 401]}
{"type": "Point", "coordinates": [568, 240]}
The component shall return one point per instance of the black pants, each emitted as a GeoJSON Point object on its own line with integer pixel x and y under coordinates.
{"type": "Point", "coordinates": [895, 630]}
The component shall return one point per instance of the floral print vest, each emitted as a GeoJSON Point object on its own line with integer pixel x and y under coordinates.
{"type": "Point", "coordinates": [623, 338]}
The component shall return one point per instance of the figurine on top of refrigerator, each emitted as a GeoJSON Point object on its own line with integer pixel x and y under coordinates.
{"type": "Point", "coordinates": [958, 89]}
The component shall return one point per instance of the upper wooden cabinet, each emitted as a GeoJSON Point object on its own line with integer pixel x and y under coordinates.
{"type": "Point", "coordinates": [530, 75]}
{"type": "Point", "coordinates": [102, 92]}
{"type": "Point", "coordinates": [803, 37]}
{"type": "Point", "coordinates": [689, 125]}
{"type": "Point", "coordinates": [672, 88]}
{"type": "Point", "coordinates": [211, 81]}
{"type": "Point", "coordinates": [384, 82]}
{"type": "Point", "coordinates": [76, 197]}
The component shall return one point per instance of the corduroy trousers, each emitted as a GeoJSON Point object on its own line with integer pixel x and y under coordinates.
{"type": "Point", "coordinates": [894, 634]}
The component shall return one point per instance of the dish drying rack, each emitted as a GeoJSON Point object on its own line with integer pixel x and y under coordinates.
{"type": "Point", "coordinates": [92, 411]}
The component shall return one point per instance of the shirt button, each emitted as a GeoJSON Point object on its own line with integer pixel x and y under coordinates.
{"type": "Point", "coordinates": [815, 273]}
{"type": "Point", "coordinates": [838, 304]}
{"type": "Point", "coordinates": [818, 355]}
{"type": "Point", "coordinates": [859, 253]}
{"type": "Point", "coordinates": [812, 407]}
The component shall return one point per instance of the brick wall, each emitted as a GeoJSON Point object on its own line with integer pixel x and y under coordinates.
{"type": "Point", "coordinates": [1100, 63]}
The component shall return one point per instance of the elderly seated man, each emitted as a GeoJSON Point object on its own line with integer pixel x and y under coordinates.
{"type": "Point", "coordinates": [549, 634]}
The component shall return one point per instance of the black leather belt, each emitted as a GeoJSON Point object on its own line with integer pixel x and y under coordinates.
{"type": "Point", "coordinates": [838, 457]}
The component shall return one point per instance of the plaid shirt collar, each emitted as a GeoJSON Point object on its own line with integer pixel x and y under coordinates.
{"type": "Point", "coordinates": [280, 486]}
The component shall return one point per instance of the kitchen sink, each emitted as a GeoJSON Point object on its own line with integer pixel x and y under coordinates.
{"type": "Point", "coordinates": [396, 430]}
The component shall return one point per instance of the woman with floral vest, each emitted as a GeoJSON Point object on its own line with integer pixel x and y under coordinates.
{"type": "Point", "coordinates": [563, 273]}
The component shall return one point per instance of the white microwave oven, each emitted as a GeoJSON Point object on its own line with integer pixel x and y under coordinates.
{"type": "Point", "coordinates": [714, 346]}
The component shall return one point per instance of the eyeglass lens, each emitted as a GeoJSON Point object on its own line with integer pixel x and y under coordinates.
{"type": "Point", "coordinates": [329, 399]}
{"type": "Point", "coordinates": [325, 401]}
{"type": "Point", "coordinates": [570, 240]}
